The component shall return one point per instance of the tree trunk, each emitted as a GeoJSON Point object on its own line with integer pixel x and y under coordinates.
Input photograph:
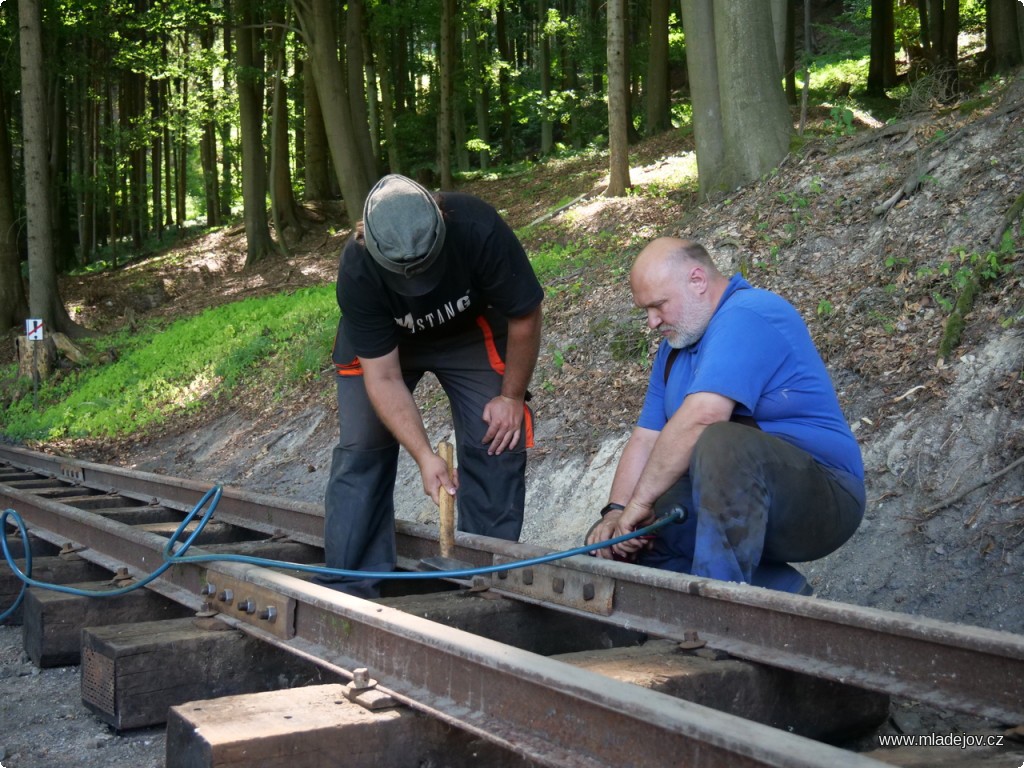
{"type": "Point", "coordinates": [181, 158]}
{"type": "Point", "coordinates": [461, 133]}
{"type": "Point", "coordinates": [316, 19]}
{"type": "Point", "coordinates": [780, 22]}
{"type": "Point", "coordinates": [370, 86]}
{"type": "Point", "coordinates": [59, 166]}
{"type": "Point", "coordinates": [286, 210]}
{"type": "Point", "coordinates": [1004, 45]}
{"type": "Point", "coordinates": [299, 97]}
{"type": "Point", "coordinates": [13, 304]}
{"type": "Point", "coordinates": [882, 66]}
{"type": "Point", "coordinates": [254, 174]}
{"type": "Point", "coordinates": [702, 69]}
{"type": "Point", "coordinates": [156, 108]}
{"type": "Point", "coordinates": [741, 122]}
{"type": "Point", "coordinates": [656, 89]}
{"type": "Point", "coordinates": [208, 142]}
{"type": "Point", "coordinates": [44, 298]}
{"type": "Point", "coordinates": [480, 91]}
{"type": "Point", "coordinates": [1020, 29]}
{"type": "Point", "coordinates": [388, 103]}
{"type": "Point", "coordinates": [943, 30]}
{"type": "Point", "coordinates": [596, 29]}
{"type": "Point", "coordinates": [316, 165]}
{"type": "Point", "coordinates": [226, 184]}
{"type": "Point", "coordinates": [169, 166]}
{"type": "Point", "coordinates": [755, 118]}
{"type": "Point", "coordinates": [445, 121]}
{"type": "Point", "coordinates": [571, 82]}
{"type": "Point", "coordinates": [630, 22]}
{"type": "Point", "coordinates": [504, 85]}
{"type": "Point", "coordinates": [790, 57]}
{"type": "Point", "coordinates": [618, 115]}
{"type": "Point", "coordinates": [352, 62]}
{"type": "Point", "coordinates": [547, 127]}
{"type": "Point", "coordinates": [86, 141]}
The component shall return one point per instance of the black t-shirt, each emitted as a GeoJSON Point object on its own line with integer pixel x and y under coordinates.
{"type": "Point", "coordinates": [484, 265]}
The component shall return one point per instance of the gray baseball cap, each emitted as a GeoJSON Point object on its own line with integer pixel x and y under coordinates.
{"type": "Point", "coordinates": [404, 232]}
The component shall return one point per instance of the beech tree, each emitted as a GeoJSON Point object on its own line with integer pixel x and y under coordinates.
{"type": "Point", "coordinates": [445, 112]}
{"type": "Point", "coordinates": [656, 93]}
{"type": "Point", "coordinates": [618, 135]}
{"type": "Point", "coordinates": [316, 20]}
{"type": "Point", "coordinates": [1004, 34]}
{"type": "Point", "coordinates": [287, 214]}
{"type": "Point", "coordinates": [254, 169]}
{"type": "Point", "coordinates": [882, 66]}
{"type": "Point", "coordinates": [741, 122]}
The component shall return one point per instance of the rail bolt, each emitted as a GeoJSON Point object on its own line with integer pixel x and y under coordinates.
{"type": "Point", "coordinates": [208, 589]}
{"type": "Point", "coordinates": [247, 605]}
{"type": "Point", "coordinates": [226, 596]}
{"type": "Point", "coordinates": [361, 679]}
{"type": "Point", "coordinates": [691, 641]}
{"type": "Point", "coordinates": [558, 585]}
{"type": "Point", "coordinates": [527, 575]}
{"type": "Point", "coordinates": [269, 613]}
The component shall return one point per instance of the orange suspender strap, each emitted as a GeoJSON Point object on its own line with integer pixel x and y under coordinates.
{"type": "Point", "coordinates": [354, 368]}
{"type": "Point", "coordinates": [498, 365]}
{"type": "Point", "coordinates": [527, 426]}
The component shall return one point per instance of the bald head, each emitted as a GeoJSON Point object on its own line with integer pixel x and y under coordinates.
{"type": "Point", "coordinates": [675, 254]}
{"type": "Point", "coordinates": [678, 285]}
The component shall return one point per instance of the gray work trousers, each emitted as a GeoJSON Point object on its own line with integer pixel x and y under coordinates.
{"type": "Point", "coordinates": [359, 508]}
{"type": "Point", "coordinates": [755, 503]}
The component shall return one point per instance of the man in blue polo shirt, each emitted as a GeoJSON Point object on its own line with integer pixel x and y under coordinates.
{"type": "Point", "coordinates": [741, 427]}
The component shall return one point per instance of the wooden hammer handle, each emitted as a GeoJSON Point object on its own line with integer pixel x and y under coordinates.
{"type": "Point", "coordinates": [446, 502]}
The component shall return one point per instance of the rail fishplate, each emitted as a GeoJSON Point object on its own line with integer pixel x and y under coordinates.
{"type": "Point", "coordinates": [251, 603]}
{"type": "Point", "coordinates": [563, 586]}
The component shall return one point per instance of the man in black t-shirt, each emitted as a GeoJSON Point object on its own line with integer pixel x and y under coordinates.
{"type": "Point", "coordinates": [439, 285]}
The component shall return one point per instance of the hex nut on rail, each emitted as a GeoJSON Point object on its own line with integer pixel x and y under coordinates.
{"type": "Point", "coordinates": [363, 691]}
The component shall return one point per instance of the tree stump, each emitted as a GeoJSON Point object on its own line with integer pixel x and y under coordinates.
{"type": "Point", "coordinates": [36, 358]}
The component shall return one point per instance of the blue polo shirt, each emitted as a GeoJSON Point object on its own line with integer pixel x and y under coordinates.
{"type": "Point", "coordinates": [757, 351]}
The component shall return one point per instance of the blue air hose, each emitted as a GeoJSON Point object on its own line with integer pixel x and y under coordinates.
{"type": "Point", "coordinates": [172, 557]}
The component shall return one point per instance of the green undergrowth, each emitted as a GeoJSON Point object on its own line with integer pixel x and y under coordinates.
{"type": "Point", "coordinates": [277, 342]}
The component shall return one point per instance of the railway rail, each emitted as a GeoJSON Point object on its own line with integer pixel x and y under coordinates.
{"type": "Point", "coordinates": [120, 519]}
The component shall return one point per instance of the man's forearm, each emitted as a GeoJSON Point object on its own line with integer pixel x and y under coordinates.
{"type": "Point", "coordinates": [397, 410]}
{"type": "Point", "coordinates": [670, 456]}
{"type": "Point", "coordinates": [631, 464]}
{"type": "Point", "coordinates": [521, 354]}
{"type": "Point", "coordinates": [393, 402]}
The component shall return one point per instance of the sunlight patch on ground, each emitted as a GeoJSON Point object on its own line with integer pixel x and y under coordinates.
{"type": "Point", "coordinates": [665, 175]}
{"type": "Point", "coordinates": [670, 181]}
{"type": "Point", "coordinates": [193, 391]}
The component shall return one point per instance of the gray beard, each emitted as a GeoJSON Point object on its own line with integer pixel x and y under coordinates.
{"type": "Point", "coordinates": [681, 340]}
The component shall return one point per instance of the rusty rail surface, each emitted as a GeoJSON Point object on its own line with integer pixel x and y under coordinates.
{"type": "Point", "coordinates": [555, 714]}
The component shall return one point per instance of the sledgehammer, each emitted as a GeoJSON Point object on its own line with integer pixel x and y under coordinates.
{"type": "Point", "coordinates": [446, 502]}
